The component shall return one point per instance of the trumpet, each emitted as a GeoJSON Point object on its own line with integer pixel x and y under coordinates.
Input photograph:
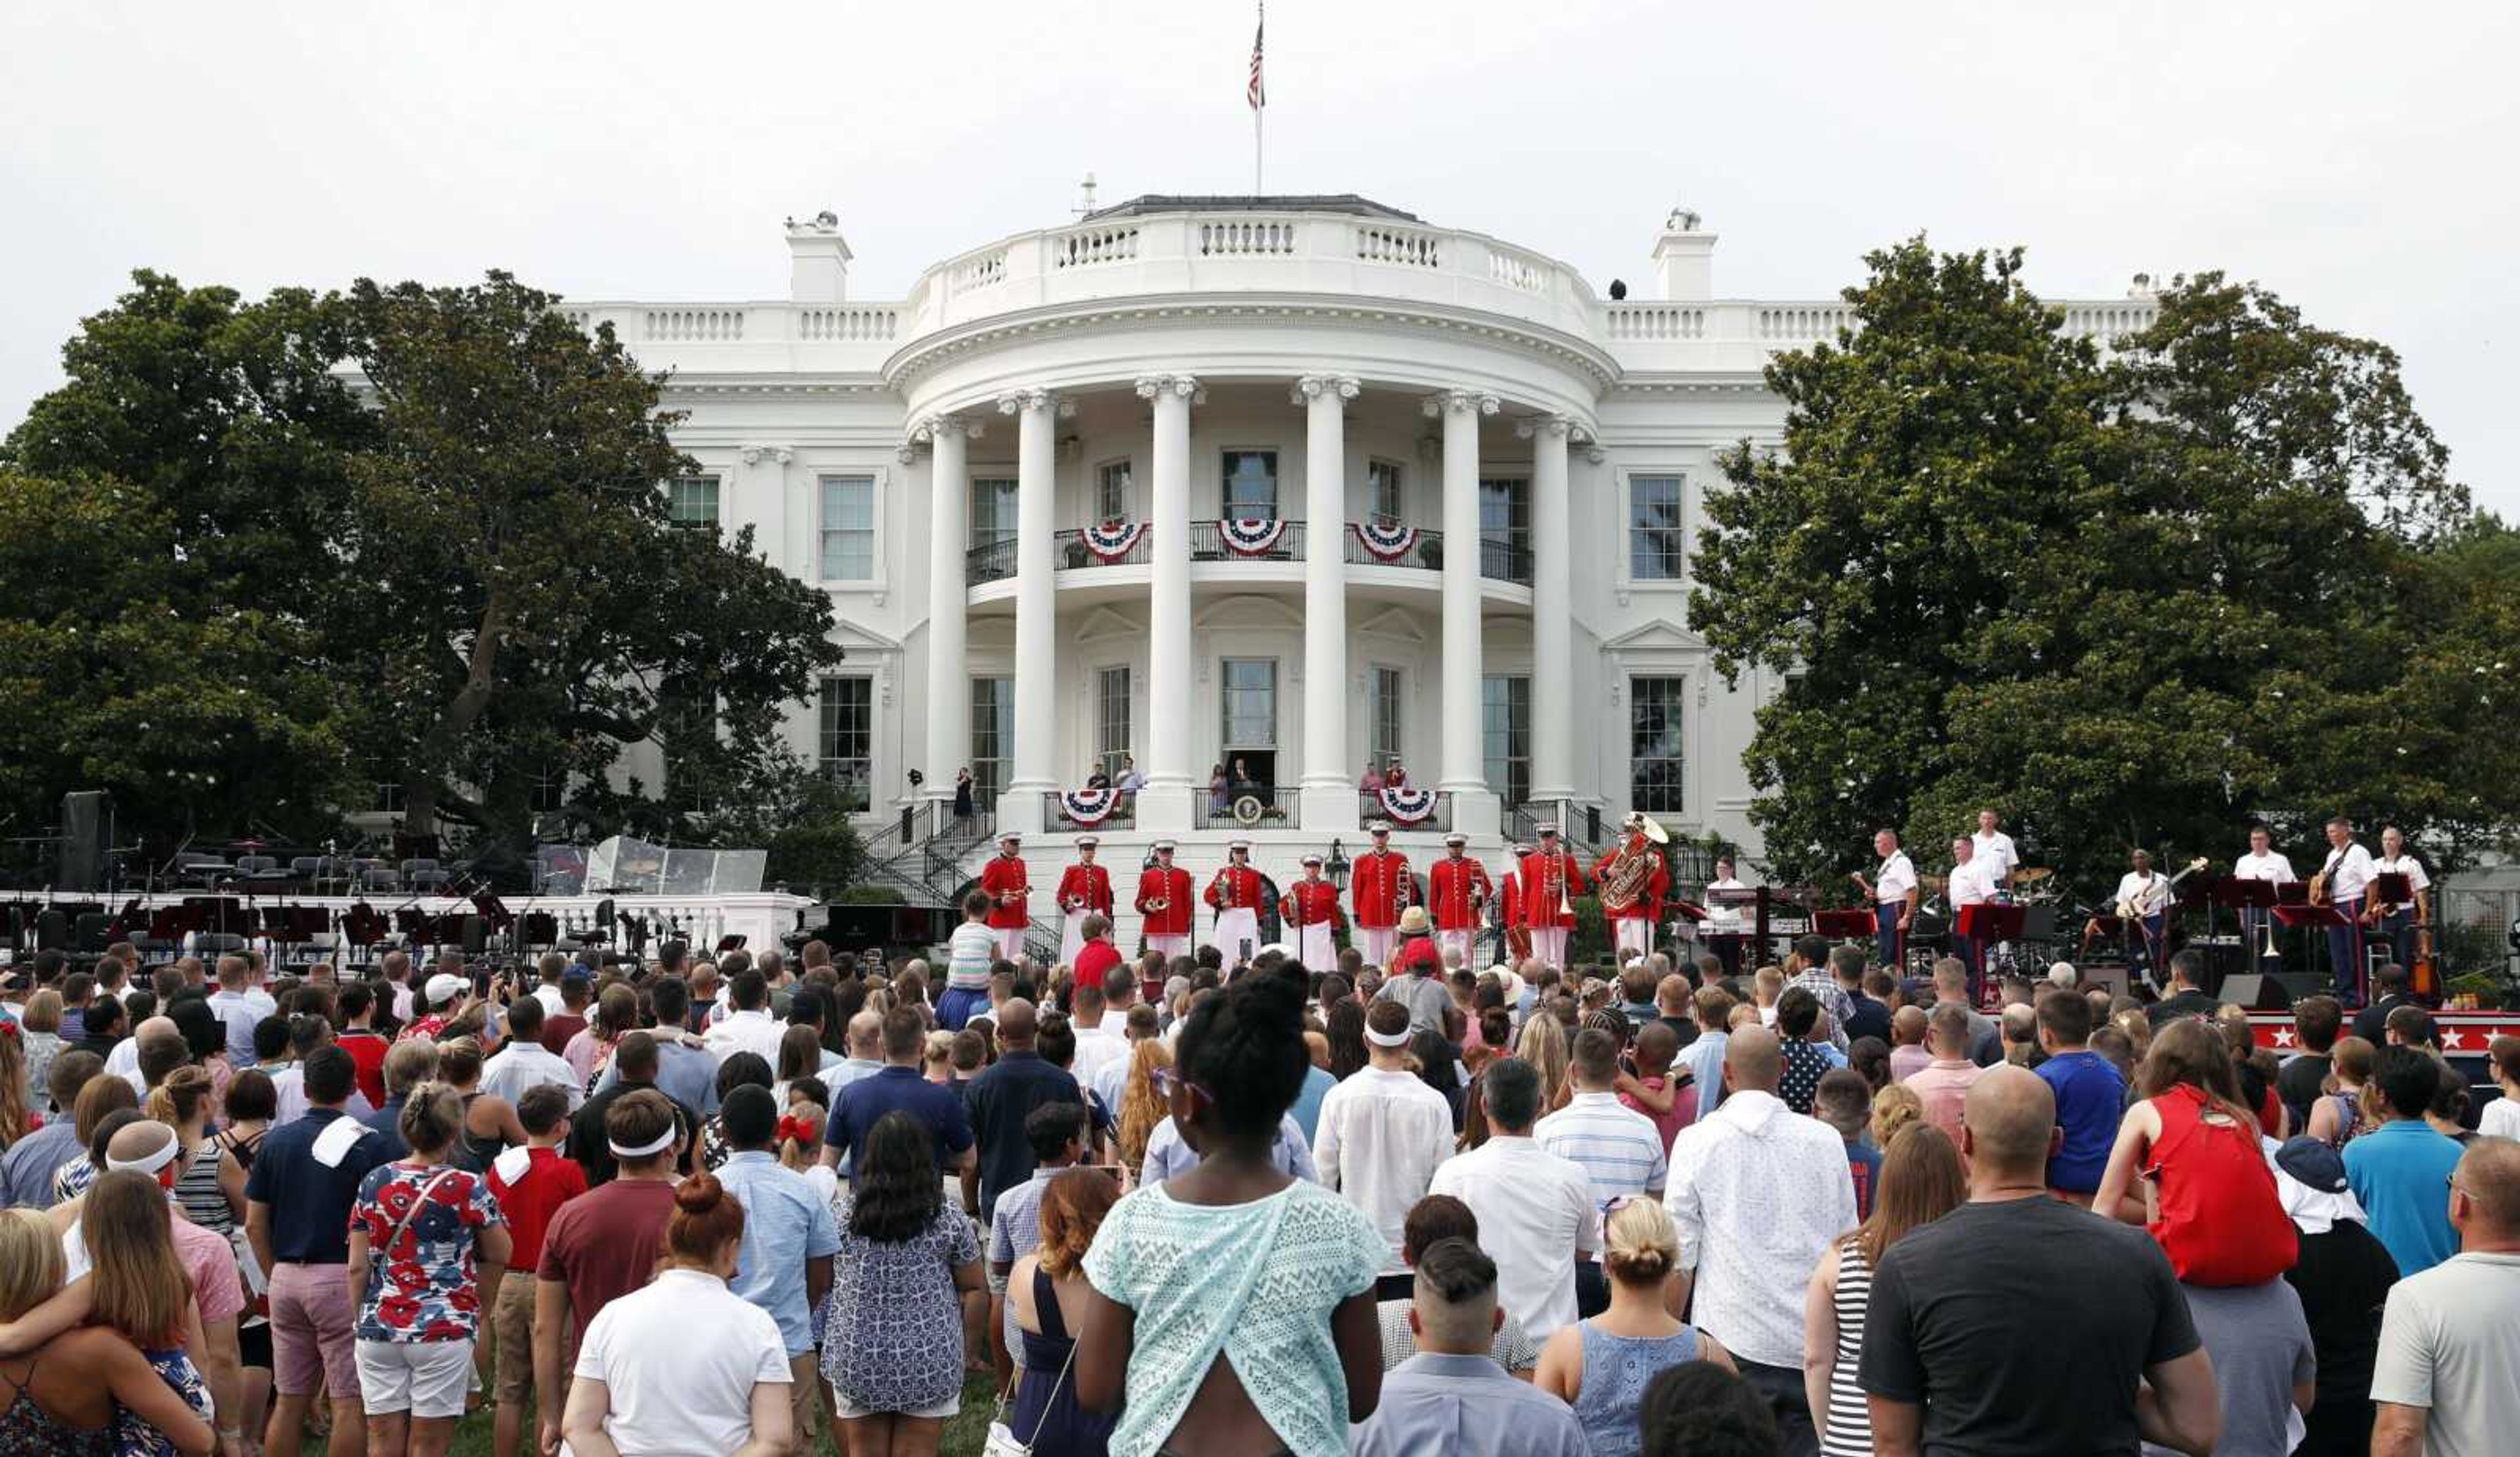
{"type": "Point", "coordinates": [2268, 920]}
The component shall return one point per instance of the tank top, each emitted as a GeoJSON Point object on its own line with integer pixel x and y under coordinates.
{"type": "Point", "coordinates": [474, 1153]}
{"type": "Point", "coordinates": [26, 1427]}
{"type": "Point", "coordinates": [1616, 1371]}
{"type": "Point", "coordinates": [197, 1189]}
{"type": "Point", "coordinates": [1850, 1422]}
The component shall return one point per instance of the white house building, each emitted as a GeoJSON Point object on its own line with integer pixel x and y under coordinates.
{"type": "Point", "coordinates": [1298, 482]}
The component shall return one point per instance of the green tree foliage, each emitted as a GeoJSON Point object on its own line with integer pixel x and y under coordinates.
{"type": "Point", "coordinates": [411, 534]}
{"type": "Point", "coordinates": [2131, 600]}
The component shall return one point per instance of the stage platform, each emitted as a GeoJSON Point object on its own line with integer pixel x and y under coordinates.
{"type": "Point", "coordinates": [297, 928]}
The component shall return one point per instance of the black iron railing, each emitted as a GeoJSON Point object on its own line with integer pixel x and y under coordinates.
{"type": "Point", "coordinates": [1207, 544]}
{"type": "Point", "coordinates": [1070, 551]}
{"type": "Point", "coordinates": [1249, 808]}
{"type": "Point", "coordinates": [1505, 559]}
{"type": "Point", "coordinates": [1056, 818]}
{"type": "Point", "coordinates": [1426, 552]}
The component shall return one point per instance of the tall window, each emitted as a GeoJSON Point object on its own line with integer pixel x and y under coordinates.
{"type": "Point", "coordinates": [691, 501]}
{"type": "Point", "coordinates": [1656, 545]}
{"type": "Point", "coordinates": [1251, 485]}
{"type": "Point", "coordinates": [993, 736]}
{"type": "Point", "coordinates": [1250, 703]}
{"type": "Point", "coordinates": [1504, 526]}
{"type": "Point", "coordinates": [846, 753]}
{"type": "Point", "coordinates": [1111, 719]}
{"type": "Point", "coordinates": [1112, 492]}
{"type": "Point", "coordinates": [993, 510]}
{"type": "Point", "coordinates": [1384, 722]}
{"type": "Point", "coordinates": [848, 528]}
{"type": "Point", "coordinates": [1505, 729]}
{"type": "Point", "coordinates": [1382, 491]}
{"type": "Point", "coordinates": [1655, 725]}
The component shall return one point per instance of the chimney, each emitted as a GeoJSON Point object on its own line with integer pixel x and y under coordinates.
{"type": "Point", "coordinates": [818, 270]}
{"type": "Point", "coordinates": [1684, 258]}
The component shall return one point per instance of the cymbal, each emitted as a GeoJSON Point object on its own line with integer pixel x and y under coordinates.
{"type": "Point", "coordinates": [2034, 874]}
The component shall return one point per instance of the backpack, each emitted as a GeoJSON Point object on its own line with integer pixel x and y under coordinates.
{"type": "Point", "coordinates": [2219, 1219]}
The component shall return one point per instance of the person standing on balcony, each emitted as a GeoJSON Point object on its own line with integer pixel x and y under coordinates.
{"type": "Point", "coordinates": [1234, 896]}
{"type": "Point", "coordinates": [1551, 881]}
{"type": "Point", "coordinates": [1381, 886]}
{"type": "Point", "coordinates": [1311, 907]}
{"type": "Point", "coordinates": [1370, 784]}
{"type": "Point", "coordinates": [1220, 792]}
{"type": "Point", "coordinates": [1164, 904]}
{"type": "Point", "coordinates": [1457, 888]}
{"type": "Point", "coordinates": [1084, 889]}
{"type": "Point", "coordinates": [1131, 780]}
{"type": "Point", "coordinates": [963, 792]}
{"type": "Point", "coordinates": [1010, 888]}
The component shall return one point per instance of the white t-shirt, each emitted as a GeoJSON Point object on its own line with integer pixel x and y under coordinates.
{"type": "Point", "coordinates": [679, 1359]}
{"type": "Point", "coordinates": [2405, 865]}
{"type": "Point", "coordinates": [1970, 884]}
{"type": "Point", "coordinates": [2446, 1345]}
{"type": "Point", "coordinates": [2501, 1119]}
{"type": "Point", "coordinates": [1897, 877]}
{"type": "Point", "coordinates": [2150, 893]}
{"type": "Point", "coordinates": [2271, 865]}
{"type": "Point", "coordinates": [2349, 869]}
{"type": "Point", "coordinates": [1996, 851]}
{"type": "Point", "coordinates": [1722, 919]}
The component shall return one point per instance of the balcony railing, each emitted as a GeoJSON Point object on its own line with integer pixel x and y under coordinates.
{"type": "Point", "coordinates": [1505, 559]}
{"type": "Point", "coordinates": [1501, 558]}
{"type": "Point", "coordinates": [1073, 554]}
{"type": "Point", "coordinates": [1369, 808]}
{"type": "Point", "coordinates": [989, 562]}
{"type": "Point", "coordinates": [1207, 544]}
{"type": "Point", "coordinates": [1249, 808]}
{"type": "Point", "coordinates": [1054, 817]}
{"type": "Point", "coordinates": [1426, 552]}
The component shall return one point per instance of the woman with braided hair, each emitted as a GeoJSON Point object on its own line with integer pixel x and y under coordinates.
{"type": "Point", "coordinates": [1216, 1356]}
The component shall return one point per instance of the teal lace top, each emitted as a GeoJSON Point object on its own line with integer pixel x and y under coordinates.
{"type": "Point", "coordinates": [1257, 1281]}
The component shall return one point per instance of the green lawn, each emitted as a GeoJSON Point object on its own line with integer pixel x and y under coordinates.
{"type": "Point", "coordinates": [963, 1433]}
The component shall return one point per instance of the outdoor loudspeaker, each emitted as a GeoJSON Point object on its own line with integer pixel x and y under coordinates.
{"type": "Point", "coordinates": [2268, 992]}
{"type": "Point", "coordinates": [87, 829]}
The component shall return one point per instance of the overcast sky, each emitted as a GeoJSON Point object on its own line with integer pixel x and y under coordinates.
{"type": "Point", "coordinates": [2355, 159]}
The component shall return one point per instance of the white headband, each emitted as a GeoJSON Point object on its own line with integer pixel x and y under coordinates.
{"type": "Point", "coordinates": [148, 1164]}
{"type": "Point", "coordinates": [1399, 1038]}
{"type": "Point", "coordinates": [664, 1141]}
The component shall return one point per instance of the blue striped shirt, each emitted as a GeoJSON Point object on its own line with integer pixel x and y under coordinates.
{"type": "Point", "coordinates": [1617, 1146]}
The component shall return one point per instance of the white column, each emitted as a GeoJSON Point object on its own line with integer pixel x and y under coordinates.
{"type": "Point", "coordinates": [1036, 746]}
{"type": "Point", "coordinates": [1552, 613]}
{"type": "Point", "coordinates": [949, 668]}
{"type": "Point", "coordinates": [1329, 797]}
{"type": "Point", "coordinates": [1164, 806]}
{"type": "Point", "coordinates": [1461, 774]}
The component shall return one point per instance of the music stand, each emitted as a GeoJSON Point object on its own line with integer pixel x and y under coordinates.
{"type": "Point", "coordinates": [1988, 923]}
{"type": "Point", "coordinates": [2392, 888]}
{"type": "Point", "coordinates": [2240, 895]}
{"type": "Point", "coordinates": [1847, 926]}
{"type": "Point", "coordinates": [2324, 917]}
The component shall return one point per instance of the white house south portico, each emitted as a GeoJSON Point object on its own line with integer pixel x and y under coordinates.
{"type": "Point", "coordinates": [1276, 488]}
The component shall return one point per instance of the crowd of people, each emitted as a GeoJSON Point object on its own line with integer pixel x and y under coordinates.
{"type": "Point", "coordinates": [725, 1204]}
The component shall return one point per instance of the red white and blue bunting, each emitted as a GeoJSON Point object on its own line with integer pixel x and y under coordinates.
{"type": "Point", "coordinates": [1112, 540]}
{"type": "Point", "coordinates": [1385, 543]}
{"type": "Point", "coordinates": [1408, 804]}
{"type": "Point", "coordinates": [1248, 536]}
{"type": "Point", "coordinates": [1089, 806]}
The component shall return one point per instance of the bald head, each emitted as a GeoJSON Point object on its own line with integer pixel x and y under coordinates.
{"type": "Point", "coordinates": [162, 1026]}
{"type": "Point", "coordinates": [866, 1036]}
{"type": "Point", "coordinates": [2009, 1122]}
{"type": "Point", "coordinates": [136, 1144]}
{"type": "Point", "coordinates": [2485, 1199]}
{"type": "Point", "coordinates": [1753, 1060]}
{"type": "Point", "coordinates": [1017, 1022]}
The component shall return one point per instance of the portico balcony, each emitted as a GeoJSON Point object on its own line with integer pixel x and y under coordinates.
{"type": "Point", "coordinates": [1502, 556]}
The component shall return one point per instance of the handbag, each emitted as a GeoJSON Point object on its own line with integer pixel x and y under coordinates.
{"type": "Point", "coordinates": [1001, 1440]}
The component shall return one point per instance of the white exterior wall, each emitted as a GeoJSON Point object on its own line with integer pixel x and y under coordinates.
{"type": "Point", "coordinates": [779, 394]}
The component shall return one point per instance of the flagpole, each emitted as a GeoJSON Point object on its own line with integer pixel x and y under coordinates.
{"type": "Point", "coordinates": [1258, 93]}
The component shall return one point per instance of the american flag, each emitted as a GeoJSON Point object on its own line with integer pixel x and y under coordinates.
{"type": "Point", "coordinates": [1255, 92]}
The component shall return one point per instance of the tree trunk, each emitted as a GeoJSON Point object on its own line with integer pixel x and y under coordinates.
{"type": "Point", "coordinates": [436, 747]}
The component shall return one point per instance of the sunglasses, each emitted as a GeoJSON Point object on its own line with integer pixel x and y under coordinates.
{"type": "Point", "coordinates": [1167, 1082]}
